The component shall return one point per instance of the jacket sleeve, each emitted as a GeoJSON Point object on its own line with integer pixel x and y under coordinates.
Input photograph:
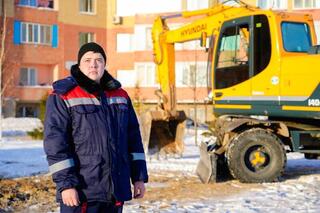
{"type": "Point", "coordinates": [136, 151]}
{"type": "Point", "coordinates": [57, 138]}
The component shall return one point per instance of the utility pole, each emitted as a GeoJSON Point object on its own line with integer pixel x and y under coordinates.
{"type": "Point", "coordinates": [3, 37]}
{"type": "Point", "coordinates": [194, 71]}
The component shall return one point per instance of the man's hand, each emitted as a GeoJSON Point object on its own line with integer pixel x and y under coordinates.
{"type": "Point", "coordinates": [70, 197]}
{"type": "Point", "coordinates": [139, 189]}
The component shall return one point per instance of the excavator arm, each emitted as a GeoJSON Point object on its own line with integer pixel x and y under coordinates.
{"type": "Point", "coordinates": [163, 128]}
{"type": "Point", "coordinates": [164, 40]}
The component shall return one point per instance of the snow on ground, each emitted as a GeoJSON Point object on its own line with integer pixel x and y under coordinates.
{"type": "Point", "coordinates": [187, 163]}
{"type": "Point", "coordinates": [299, 191]}
{"type": "Point", "coordinates": [20, 157]}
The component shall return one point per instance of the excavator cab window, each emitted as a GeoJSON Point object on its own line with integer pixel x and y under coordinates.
{"type": "Point", "coordinates": [210, 62]}
{"type": "Point", "coordinates": [244, 50]}
{"type": "Point", "coordinates": [232, 63]}
{"type": "Point", "coordinates": [261, 44]}
{"type": "Point", "coordinates": [234, 47]}
{"type": "Point", "coordinates": [296, 37]}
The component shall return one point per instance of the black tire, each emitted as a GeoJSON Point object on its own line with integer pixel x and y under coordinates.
{"type": "Point", "coordinates": [256, 156]}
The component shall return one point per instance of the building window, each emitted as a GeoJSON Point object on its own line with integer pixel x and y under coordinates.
{"type": "Point", "coordinates": [37, 3]}
{"type": "Point", "coordinates": [127, 78]}
{"type": "Point", "coordinates": [27, 110]}
{"type": "Point", "coordinates": [46, 3]}
{"type": "Point", "coordinates": [197, 4]}
{"type": "Point", "coordinates": [28, 77]}
{"type": "Point", "coordinates": [45, 34]}
{"type": "Point", "coordinates": [187, 72]}
{"type": "Point", "coordinates": [146, 74]}
{"type": "Point", "coordinates": [132, 7]}
{"type": "Point", "coordinates": [274, 4]}
{"type": "Point", "coordinates": [148, 38]}
{"type": "Point", "coordinates": [86, 38]}
{"type": "Point", "coordinates": [32, 3]}
{"type": "Point", "coordinates": [36, 33]}
{"type": "Point", "coordinates": [201, 114]}
{"type": "Point", "coordinates": [317, 28]}
{"type": "Point", "coordinates": [188, 45]}
{"type": "Point", "coordinates": [306, 4]}
{"type": "Point", "coordinates": [141, 39]}
{"type": "Point", "coordinates": [87, 6]}
{"type": "Point", "coordinates": [124, 42]}
{"type": "Point", "coordinates": [229, 3]}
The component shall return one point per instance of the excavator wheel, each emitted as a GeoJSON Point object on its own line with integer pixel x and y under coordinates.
{"type": "Point", "coordinates": [256, 156]}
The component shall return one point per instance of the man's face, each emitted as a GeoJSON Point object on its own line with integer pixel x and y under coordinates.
{"type": "Point", "coordinates": [92, 65]}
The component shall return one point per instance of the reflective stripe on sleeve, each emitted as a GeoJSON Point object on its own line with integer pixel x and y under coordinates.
{"type": "Point", "coordinates": [138, 156]}
{"type": "Point", "coordinates": [61, 165]}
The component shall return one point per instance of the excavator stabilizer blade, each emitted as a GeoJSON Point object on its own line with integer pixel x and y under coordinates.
{"type": "Point", "coordinates": [207, 165]}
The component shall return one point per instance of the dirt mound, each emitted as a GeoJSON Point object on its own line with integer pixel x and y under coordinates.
{"type": "Point", "coordinates": [36, 193]}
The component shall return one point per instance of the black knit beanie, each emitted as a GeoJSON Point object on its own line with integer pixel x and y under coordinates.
{"type": "Point", "coordinates": [94, 47]}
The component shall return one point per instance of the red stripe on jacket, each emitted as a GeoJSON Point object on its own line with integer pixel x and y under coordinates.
{"type": "Point", "coordinates": [78, 92]}
{"type": "Point", "coordinates": [117, 93]}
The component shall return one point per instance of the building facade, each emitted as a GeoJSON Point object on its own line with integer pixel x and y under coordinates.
{"type": "Point", "coordinates": [43, 37]}
{"type": "Point", "coordinates": [131, 57]}
{"type": "Point", "coordinates": [303, 6]}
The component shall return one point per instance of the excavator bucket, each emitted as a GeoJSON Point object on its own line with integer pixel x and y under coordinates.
{"type": "Point", "coordinates": [162, 134]}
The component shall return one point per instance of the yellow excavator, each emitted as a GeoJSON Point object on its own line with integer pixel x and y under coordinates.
{"type": "Point", "coordinates": [264, 68]}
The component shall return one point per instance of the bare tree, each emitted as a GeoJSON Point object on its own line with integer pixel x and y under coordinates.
{"type": "Point", "coordinates": [3, 28]}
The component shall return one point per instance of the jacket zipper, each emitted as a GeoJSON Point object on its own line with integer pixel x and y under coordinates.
{"type": "Point", "coordinates": [104, 103]}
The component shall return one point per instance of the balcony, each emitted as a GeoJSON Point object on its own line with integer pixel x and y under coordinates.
{"type": "Point", "coordinates": [32, 93]}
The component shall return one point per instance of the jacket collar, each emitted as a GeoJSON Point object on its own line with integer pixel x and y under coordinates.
{"type": "Point", "coordinates": [107, 82]}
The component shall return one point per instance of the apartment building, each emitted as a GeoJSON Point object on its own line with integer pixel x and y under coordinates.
{"type": "Point", "coordinates": [131, 59]}
{"type": "Point", "coordinates": [43, 38]}
{"type": "Point", "coordinates": [32, 55]}
{"type": "Point", "coordinates": [304, 6]}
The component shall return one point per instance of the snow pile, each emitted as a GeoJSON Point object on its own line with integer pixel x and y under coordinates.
{"type": "Point", "coordinates": [19, 126]}
{"type": "Point", "coordinates": [187, 163]}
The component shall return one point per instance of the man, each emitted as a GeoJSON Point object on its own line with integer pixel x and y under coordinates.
{"type": "Point", "coordinates": [92, 138]}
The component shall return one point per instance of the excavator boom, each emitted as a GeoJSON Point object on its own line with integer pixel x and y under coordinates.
{"type": "Point", "coordinates": [163, 128]}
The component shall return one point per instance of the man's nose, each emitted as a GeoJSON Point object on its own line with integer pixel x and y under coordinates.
{"type": "Point", "coordinates": [93, 63]}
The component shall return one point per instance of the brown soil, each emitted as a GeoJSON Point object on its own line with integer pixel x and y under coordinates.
{"type": "Point", "coordinates": [185, 187]}
{"type": "Point", "coordinates": [37, 194]}
{"type": "Point", "coordinates": [20, 194]}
